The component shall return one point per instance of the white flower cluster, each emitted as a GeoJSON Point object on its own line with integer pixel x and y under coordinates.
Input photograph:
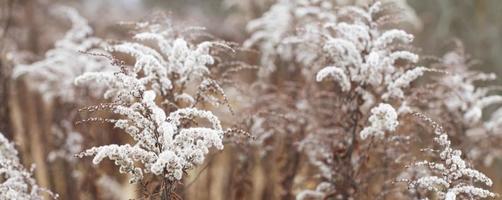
{"type": "Point", "coordinates": [177, 61]}
{"type": "Point", "coordinates": [272, 33]}
{"type": "Point", "coordinates": [495, 123]}
{"type": "Point", "coordinates": [479, 106]}
{"type": "Point", "coordinates": [383, 118]}
{"type": "Point", "coordinates": [372, 63]}
{"type": "Point", "coordinates": [337, 74]}
{"type": "Point", "coordinates": [361, 53]}
{"type": "Point", "coordinates": [463, 95]}
{"type": "Point", "coordinates": [163, 145]}
{"type": "Point", "coordinates": [15, 181]}
{"type": "Point", "coordinates": [166, 144]}
{"type": "Point", "coordinates": [451, 176]}
{"type": "Point", "coordinates": [54, 75]}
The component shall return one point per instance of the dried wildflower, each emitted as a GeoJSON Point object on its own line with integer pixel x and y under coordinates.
{"type": "Point", "coordinates": [162, 145]}
{"type": "Point", "coordinates": [451, 176]}
{"type": "Point", "coordinates": [383, 118]}
{"type": "Point", "coordinates": [368, 55]}
{"type": "Point", "coordinates": [374, 68]}
{"type": "Point", "coordinates": [16, 181]}
{"type": "Point", "coordinates": [273, 33]}
{"type": "Point", "coordinates": [461, 92]}
{"type": "Point", "coordinates": [338, 74]}
{"type": "Point", "coordinates": [54, 75]}
{"type": "Point", "coordinates": [178, 61]}
{"type": "Point", "coordinates": [166, 142]}
{"type": "Point", "coordinates": [463, 97]}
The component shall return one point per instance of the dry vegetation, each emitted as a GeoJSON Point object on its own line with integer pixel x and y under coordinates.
{"type": "Point", "coordinates": [275, 99]}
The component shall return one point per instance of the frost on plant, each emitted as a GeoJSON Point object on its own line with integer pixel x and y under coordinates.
{"type": "Point", "coordinates": [361, 54]}
{"type": "Point", "coordinates": [477, 107]}
{"type": "Point", "coordinates": [176, 62]}
{"type": "Point", "coordinates": [53, 76]}
{"type": "Point", "coordinates": [157, 95]}
{"type": "Point", "coordinates": [450, 177]}
{"type": "Point", "coordinates": [163, 145]}
{"type": "Point", "coordinates": [383, 118]}
{"type": "Point", "coordinates": [273, 33]}
{"type": "Point", "coordinates": [372, 68]}
{"type": "Point", "coordinates": [16, 181]}
{"type": "Point", "coordinates": [337, 74]}
{"type": "Point", "coordinates": [465, 96]}
{"type": "Point", "coordinates": [315, 104]}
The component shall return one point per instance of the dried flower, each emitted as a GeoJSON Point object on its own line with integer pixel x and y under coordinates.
{"type": "Point", "coordinates": [452, 176]}
{"type": "Point", "coordinates": [383, 118]}
{"type": "Point", "coordinates": [16, 181]}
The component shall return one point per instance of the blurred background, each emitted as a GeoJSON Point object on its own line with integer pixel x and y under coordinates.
{"type": "Point", "coordinates": [475, 22]}
{"type": "Point", "coordinates": [28, 30]}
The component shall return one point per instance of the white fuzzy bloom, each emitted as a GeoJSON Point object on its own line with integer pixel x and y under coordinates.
{"type": "Point", "coordinates": [344, 51]}
{"type": "Point", "coordinates": [180, 148]}
{"type": "Point", "coordinates": [369, 57]}
{"type": "Point", "coordinates": [337, 74]}
{"type": "Point", "coordinates": [357, 34]}
{"type": "Point", "coordinates": [469, 190]}
{"type": "Point", "coordinates": [404, 55]}
{"type": "Point", "coordinates": [495, 123]}
{"type": "Point", "coordinates": [272, 32]}
{"type": "Point", "coordinates": [395, 88]}
{"type": "Point", "coordinates": [474, 114]}
{"type": "Point", "coordinates": [463, 96]}
{"type": "Point", "coordinates": [451, 172]}
{"type": "Point", "coordinates": [268, 33]}
{"type": "Point", "coordinates": [124, 156]}
{"type": "Point", "coordinates": [450, 196]}
{"type": "Point", "coordinates": [430, 182]}
{"type": "Point", "coordinates": [164, 144]}
{"type": "Point", "coordinates": [383, 118]}
{"type": "Point", "coordinates": [16, 182]}
{"type": "Point", "coordinates": [188, 147]}
{"type": "Point", "coordinates": [393, 35]}
{"type": "Point", "coordinates": [153, 68]}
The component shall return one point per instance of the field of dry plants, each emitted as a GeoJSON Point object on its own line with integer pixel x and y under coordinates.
{"type": "Point", "coordinates": [250, 99]}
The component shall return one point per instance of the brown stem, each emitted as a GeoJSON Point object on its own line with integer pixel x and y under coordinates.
{"type": "Point", "coordinates": [167, 189]}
